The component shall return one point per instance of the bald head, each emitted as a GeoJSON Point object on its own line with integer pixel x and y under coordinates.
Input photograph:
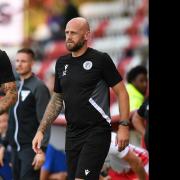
{"type": "Point", "coordinates": [79, 22]}
{"type": "Point", "coordinates": [77, 34]}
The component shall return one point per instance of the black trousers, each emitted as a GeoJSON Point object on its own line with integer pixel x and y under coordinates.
{"type": "Point", "coordinates": [22, 165]}
{"type": "Point", "coordinates": [87, 161]}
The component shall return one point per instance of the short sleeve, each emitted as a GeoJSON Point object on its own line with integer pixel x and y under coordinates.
{"type": "Point", "coordinates": [110, 73]}
{"type": "Point", "coordinates": [57, 87]}
{"type": "Point", "coordinates": [6, 73]}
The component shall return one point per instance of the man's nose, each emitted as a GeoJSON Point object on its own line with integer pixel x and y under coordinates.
{"type": "Point", "coordinates": [68, 36]}
{"type": "Point", "coordinates": [18, 64]}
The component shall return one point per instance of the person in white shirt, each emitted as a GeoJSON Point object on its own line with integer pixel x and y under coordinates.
{"type": "Point", "coordinates": [130, 164]}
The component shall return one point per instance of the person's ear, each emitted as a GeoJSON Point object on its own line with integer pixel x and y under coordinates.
{"type": "Point", "coordinates": [87, 35]}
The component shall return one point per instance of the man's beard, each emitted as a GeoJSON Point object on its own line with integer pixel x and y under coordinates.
{"type": "Point", "coordinates": [76, 47]}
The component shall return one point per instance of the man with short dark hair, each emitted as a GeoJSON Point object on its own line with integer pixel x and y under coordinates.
{"type": "Point", "coordinates": [7, 83]}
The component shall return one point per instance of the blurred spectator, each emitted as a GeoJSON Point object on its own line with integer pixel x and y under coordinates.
{"type": "Point", "coordinates": [70, 11]}
{"type": "Point", "coordinates": [24, 119]}
{"type": "Point", "coordinates": [136, 87]}
{"type": "Point", "coordinates": [130, 164]}
{"type": "Point", "coordinates": [54, 22]}
{"type": "Point", "coordinates": [5, 151]}
{"type": "Point", "coordinates": [47, 20]}
{"type": "Point", "coordinates": [37, 14]}
{"type": "Point", "coordinates": [140, 122]}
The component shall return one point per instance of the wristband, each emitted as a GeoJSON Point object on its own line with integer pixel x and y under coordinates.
{"type": "Point", "coordinates": [124, 123]}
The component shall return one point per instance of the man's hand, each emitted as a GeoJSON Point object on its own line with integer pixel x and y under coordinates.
{"type": "Point", "coordinates": [122, 139]}
{"type": "Point", "coordinates": [36, 143]}
{"type": "Point", "coordinates": [38, 161]}
{"type": "Point", "coordinates": [2, 149]}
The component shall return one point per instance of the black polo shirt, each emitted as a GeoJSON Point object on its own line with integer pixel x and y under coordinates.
{"type": "Point", "coordinates": [6, 73]}
{"type": "Point", "coordinates": [85, 82]}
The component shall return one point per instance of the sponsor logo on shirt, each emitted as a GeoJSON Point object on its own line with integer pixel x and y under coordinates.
{"type": "Point", "coordinates": [24, 94]}
{"type": "Point", "coordinates": [87, 65]}
{"type": "Point", "coordinates": [87, 172]}
{"type": "Point", "coordinates": [65, 70]}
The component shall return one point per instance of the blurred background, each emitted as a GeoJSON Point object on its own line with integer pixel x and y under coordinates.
{"type": "Point", "coordinates": [119, 27]}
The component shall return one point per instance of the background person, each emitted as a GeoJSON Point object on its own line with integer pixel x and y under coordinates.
{"type": "Point", "coordinates": [25, 117]}
{"type": "Point", "coordinates": [136, 88]}
{"type": "Point", "coordinates": [130, 164]}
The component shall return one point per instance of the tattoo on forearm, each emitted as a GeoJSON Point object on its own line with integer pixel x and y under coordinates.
{"type": "Point", "coordinates": [10, 96]}
{"type": "Point", "coordinates": [52, 111]}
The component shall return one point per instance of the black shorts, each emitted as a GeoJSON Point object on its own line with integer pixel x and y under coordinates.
{"type": "Point", "coordinates": [86, 162]}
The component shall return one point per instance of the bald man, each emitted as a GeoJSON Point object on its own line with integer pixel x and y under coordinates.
{"type": "Point", "coordinates": [7, 83]}
{"type": "Point", "coordinates": [82, 81]}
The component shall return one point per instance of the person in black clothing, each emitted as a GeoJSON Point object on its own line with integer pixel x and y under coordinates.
{"type": "Point", "coordinates": [82, 81]}
{"type": "Point", "coordinates": [7, 83]}
{"type": "Point", "coordinates": [140, 121]}
{"type": "Point", "coordinates": [25, 116]}
{"type": "Point", "coordinates": [70, 11]}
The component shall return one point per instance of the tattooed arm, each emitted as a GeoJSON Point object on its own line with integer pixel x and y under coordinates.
{"type": "Point", "coordinates": [10, 96]}
{"type": "Point", "coordinates": [52, 111]}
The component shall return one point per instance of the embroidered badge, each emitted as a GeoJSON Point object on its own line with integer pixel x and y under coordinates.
{"type": "Point", "coordinates": [87, 65]}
